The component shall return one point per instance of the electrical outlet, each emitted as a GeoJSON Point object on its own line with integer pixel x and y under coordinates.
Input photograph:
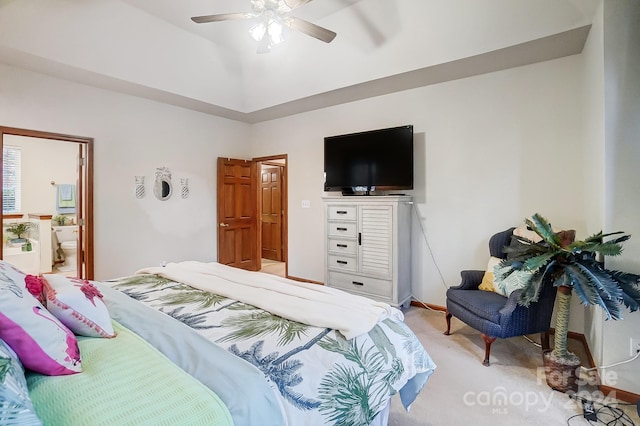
{"type": "Point", "coordinates": [634, 345]}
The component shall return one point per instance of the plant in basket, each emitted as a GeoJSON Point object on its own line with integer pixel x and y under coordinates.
{"type": "Point", "coordinates": [572, 267]}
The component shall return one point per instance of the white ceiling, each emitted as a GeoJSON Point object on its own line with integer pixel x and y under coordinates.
{"type": "Point", "coordinates": [151, 48]}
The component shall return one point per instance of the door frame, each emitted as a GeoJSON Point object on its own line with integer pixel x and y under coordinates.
{"type": "Point", "coordinates": [285, 204]}
{"type": "Point", "coordinates": [266, 165]}
{"type": "Point", "coordinates": [85, 184]}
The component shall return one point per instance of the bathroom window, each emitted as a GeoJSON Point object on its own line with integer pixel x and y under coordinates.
{"type": "Point", "coordinates": [11, 179]}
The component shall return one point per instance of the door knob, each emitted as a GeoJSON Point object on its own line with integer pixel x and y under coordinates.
{"type": "Point", "coordinates": [224, 225]}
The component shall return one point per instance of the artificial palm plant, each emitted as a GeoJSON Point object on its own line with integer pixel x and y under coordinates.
{"type": "Point", "coordinates": [571, 266]}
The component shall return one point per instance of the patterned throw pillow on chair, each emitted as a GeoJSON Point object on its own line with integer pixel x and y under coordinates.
{"type": "Point", "coordinates": [488, 278]}
{"type": "Point", "coordinates": [516, 280]}
{"type": "Point", "coordinates": [493, 279]}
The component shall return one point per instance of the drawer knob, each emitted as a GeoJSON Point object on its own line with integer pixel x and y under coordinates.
{"type": "Point", "coordinates": [357, 283]}
{"type": "Point", "coordinates": [341, 212]}
{"type": "Point", "coordinates": [341, 245]}
{"type": "Point", "coordinates": [341, 229]}
{"type": "Point", "coordinates": [342, 262]}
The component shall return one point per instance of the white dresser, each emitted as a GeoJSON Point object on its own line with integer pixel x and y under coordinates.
{"type": "Point", "coordinates": [368, 243]}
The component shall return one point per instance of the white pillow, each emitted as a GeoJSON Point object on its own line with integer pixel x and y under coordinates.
{"type": "Point", "coordinates": [524, 232]}
{"type": "Point", "coordinates": [78, 304]}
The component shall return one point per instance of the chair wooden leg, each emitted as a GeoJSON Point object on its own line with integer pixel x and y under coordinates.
{"type": "Point", "coordinates": [544, 341]}
{"type": "Point", "coordinates": [448, 317]}
{"type": "Point", "coordinates": [488, 340]}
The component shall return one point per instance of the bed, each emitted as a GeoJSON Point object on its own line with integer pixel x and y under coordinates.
{"type": "Point", "coordinates": [321, 356]}
{"type": "Point", "coordinates": [318, 375]}
{"type": "Point", "coordinates": [65, 361]}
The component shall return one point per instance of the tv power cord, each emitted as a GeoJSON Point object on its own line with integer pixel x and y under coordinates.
{"type": "Point", "coordinates": [606, 414]}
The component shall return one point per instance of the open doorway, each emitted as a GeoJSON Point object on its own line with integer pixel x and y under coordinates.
{"type": "Point", "coordinates": [250, 211]}
{"type": "Point", "coordinates": [272, 212]}
{"type": "Point", "coordinates": [47, 192]}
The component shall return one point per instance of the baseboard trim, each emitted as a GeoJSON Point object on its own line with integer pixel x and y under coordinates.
{"type": "Point", "coordinates": [620, 394]}
{"type": "Point", "coordinates": [304, 280]}
{"type": "Point", "coordinates": [428, 306]}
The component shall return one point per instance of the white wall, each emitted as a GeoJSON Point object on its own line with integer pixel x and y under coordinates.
{"type": "Point", "coordinates": [133, 137]}
{"type": "Point", "coordinates": [490, 151]}
{"type": "Point", "coordinates": [622, 136]}
{"type": "Point", "coordinates": [44, 161]}
{"type": "Point", "coordinates": [593, 135]}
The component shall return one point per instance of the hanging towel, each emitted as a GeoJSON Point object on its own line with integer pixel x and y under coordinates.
{"type": "Point", "coordinates": [66, 192]}
{"type": "Point", "coordinates": [66, 198]}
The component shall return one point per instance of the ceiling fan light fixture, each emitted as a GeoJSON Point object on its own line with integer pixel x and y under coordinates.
{"type": "Point", "coordinates": [274, 28]}
{"type": "Point", "coordinates": [271, 28]}
{"type": "Point", "coordinates": [258, 31]}
{"type": "Point", "coordinates": [272, 15]}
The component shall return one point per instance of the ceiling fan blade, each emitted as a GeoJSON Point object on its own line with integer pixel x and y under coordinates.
{"type": "Point", "coordinates": [222, 17]}
{"type": "Point", "coordinates": [310, 29]}
{"type": "Point", "coordinates": [294, 4]}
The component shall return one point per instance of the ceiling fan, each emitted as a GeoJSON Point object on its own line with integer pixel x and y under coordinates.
{"type": "Point", "coordinates": [273, 15]}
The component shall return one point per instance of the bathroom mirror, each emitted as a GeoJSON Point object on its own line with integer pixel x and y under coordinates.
{"type": "Point", "coordinates": [162, 188]}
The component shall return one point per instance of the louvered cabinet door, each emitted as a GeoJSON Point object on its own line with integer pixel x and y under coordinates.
{"type": "Point", "coordinates": [375, 257]}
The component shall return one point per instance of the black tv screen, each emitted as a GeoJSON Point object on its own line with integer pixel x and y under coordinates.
{"type": "Point", "coordinates": [367, 161]}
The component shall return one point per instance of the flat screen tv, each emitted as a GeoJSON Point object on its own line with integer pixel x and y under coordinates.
{"type": "Point", "coordinates": [375, 160]}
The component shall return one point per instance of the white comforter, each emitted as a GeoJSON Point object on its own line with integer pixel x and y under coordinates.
{"type": "Point", "coordinates": [312, 304]}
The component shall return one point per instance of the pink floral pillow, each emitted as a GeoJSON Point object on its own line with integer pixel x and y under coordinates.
{"type": "Point", "coordinates": [77, 304]}
{"type": "Point", "coordinates": [42, 343]}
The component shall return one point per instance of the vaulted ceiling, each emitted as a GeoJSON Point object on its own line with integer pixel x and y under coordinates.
{"type": "Point", "coordinates": [151, 48]}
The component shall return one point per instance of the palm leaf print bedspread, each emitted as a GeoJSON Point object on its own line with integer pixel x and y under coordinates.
{"type": "Point", "coordinates": [321, 377]}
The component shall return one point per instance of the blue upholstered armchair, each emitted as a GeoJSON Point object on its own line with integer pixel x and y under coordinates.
{"type": "Point", "coordinates": [494, 315]}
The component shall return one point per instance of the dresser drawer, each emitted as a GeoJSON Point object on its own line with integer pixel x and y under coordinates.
{"type": "Point", "coordinates": [344, 263]}
{"type": "Point", "coordinates": [342, 212]}
{"type": "Point", "coordinates": [337, 245]}
{"type": "Point", "coordinates": [359, 284]}
{"type": "Point", "coordinates": [342, 229]}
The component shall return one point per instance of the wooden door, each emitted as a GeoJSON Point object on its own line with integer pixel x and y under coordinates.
{"type": "Point", "coordinates": [271, 212]}
{"type": "Point", "coordinates": [238, 214]}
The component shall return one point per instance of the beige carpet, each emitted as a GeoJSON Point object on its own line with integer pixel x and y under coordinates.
{"type": "Point", "coordinates": [273, 267]}
{"type": "Point", "coordinates": [509, 392]}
